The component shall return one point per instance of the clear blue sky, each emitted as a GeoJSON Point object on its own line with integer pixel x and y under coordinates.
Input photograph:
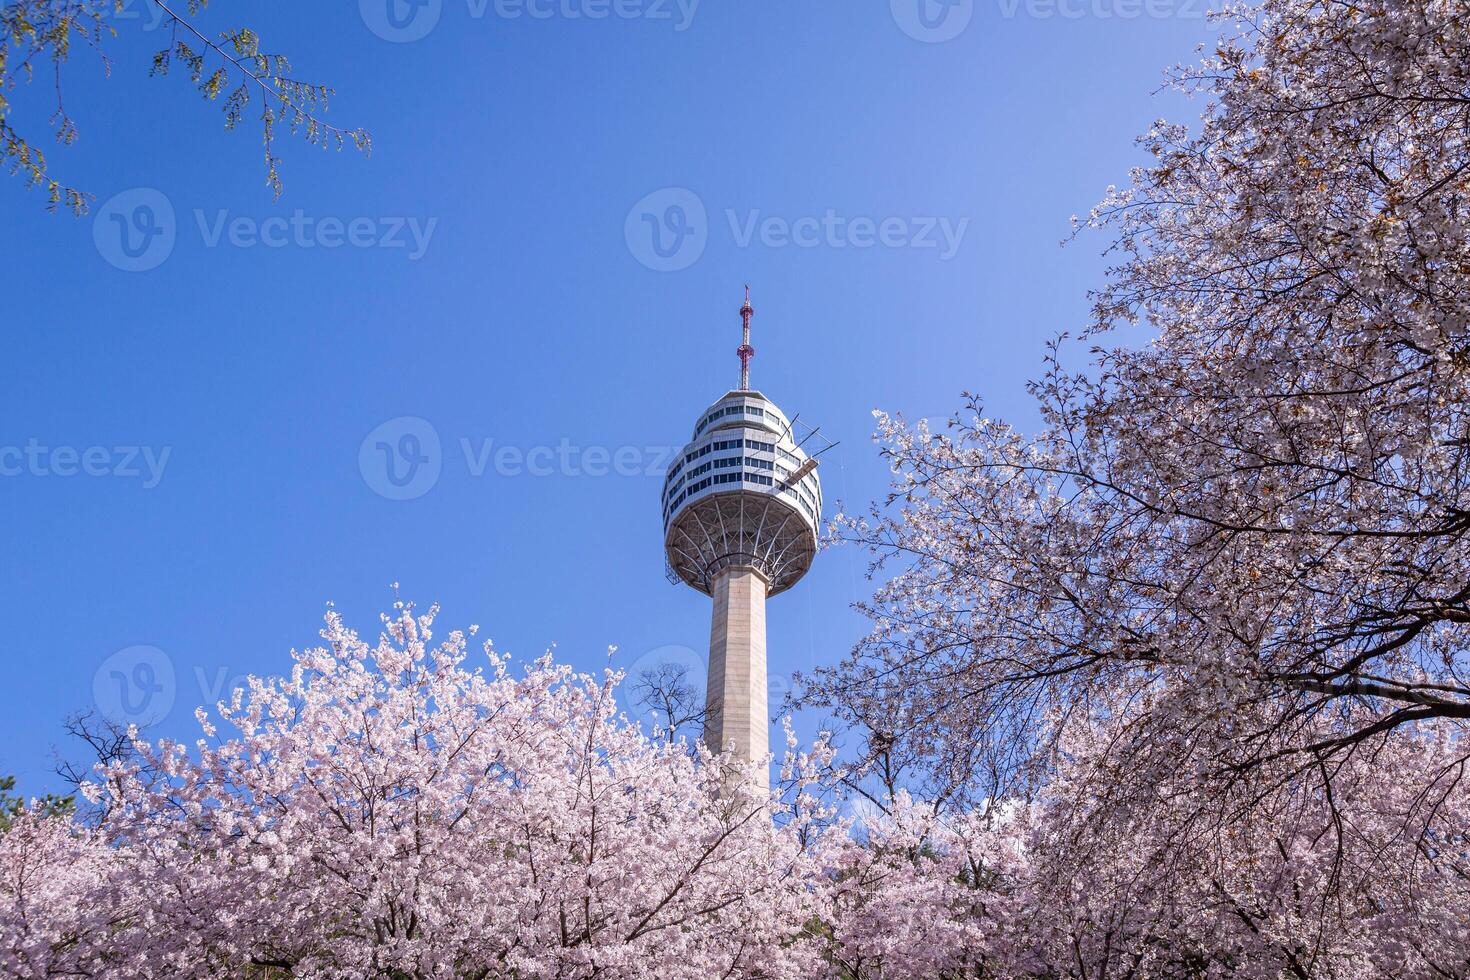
{"type": "Point", "coordinates": [519, 147]}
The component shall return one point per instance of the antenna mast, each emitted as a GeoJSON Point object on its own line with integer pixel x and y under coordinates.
{"type": "Point", "coordinates": [745, 351]}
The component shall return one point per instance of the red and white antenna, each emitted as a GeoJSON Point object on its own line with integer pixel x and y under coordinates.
{"type": "Point", "coordinates": [745, 351]}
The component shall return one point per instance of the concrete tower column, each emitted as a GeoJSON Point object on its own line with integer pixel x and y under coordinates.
{"type": "Point", "coordinates": [736, 695]}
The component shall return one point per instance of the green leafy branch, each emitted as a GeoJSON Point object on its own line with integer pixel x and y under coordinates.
{"type": "Point", "coordinates": [287, 101]}
{"type": "Point", "coordinates": [233, 69]}
{"type": "Point", "coordinates": [39, 31]}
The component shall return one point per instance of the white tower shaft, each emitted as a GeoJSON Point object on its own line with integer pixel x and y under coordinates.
{"type": "Point", "coordinates": [737, 719]}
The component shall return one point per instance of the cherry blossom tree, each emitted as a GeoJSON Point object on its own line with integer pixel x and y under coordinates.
{"type": "Point", "coordinates": [388, 810]}
{"type": "Point", "coordinates": [54, 896]}
{"type": "Point", "coordinates": [924, 896]}
{"type": "Point", "coordinates": [1177, 684]}
{"type": "Point", "coordinates": [1221, 597]}
{"type": "Point", "coordinates": [1281, 879]}
{"type": "Point", "coordinates": [392, 810]}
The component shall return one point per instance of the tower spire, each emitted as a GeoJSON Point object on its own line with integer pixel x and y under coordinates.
{"type": "Point", "coordinates": [745, 351]}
